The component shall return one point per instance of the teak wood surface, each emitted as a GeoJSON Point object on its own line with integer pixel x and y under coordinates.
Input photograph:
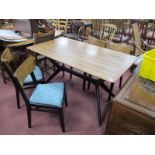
{"type": "Point", "coordinates": [103, 63]}
{"type": "Point", "coordinates": [133, 109]}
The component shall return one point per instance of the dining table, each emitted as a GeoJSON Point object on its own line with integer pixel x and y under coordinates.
{"type": "Point", "coordinates": [102, 63]}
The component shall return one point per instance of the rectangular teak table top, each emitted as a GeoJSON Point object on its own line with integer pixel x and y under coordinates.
{"type": "Point", "coordinates": [103, 63]}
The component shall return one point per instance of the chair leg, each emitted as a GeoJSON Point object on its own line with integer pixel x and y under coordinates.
{"type": "Point", "coordinates": [63, 73]}
{"type": "Point", "coordinates": [89, 83]}
{"type": "Point", "coordinates": [29, 116]}
{"type": "Point", "coordinates": [84, 82]}
{"type": "Point", "coordinates": [18, 99]}
{"type": "Point", "coordinates": [71, 73]}
{"type": "Point", "coordinates": [110, 91]}
{"type": "Point", "coordinates": [98, 105]}
{"type": "Point", "coordinates": [66, 103]}
{"type": "Point", "coordinates": [45, 64]}
{"type": "Point", "coordinates": [61, 116]}
{"type": "Point", "coordinates": [120, 82]}
{"type": "Point", "coordinates": [3, 75]}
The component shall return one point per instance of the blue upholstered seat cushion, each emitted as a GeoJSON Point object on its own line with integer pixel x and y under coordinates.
{"type": "Point", "coordinates": [38, 74]}
{"type": "Point", "coordinates": [50, 94]}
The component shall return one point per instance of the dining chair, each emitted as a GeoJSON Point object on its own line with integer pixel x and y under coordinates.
{"type": "Point", "coordinates": [119, 36]}
{"type": "Point", "coordinates": [138, 42]}
{"type": "Point", "coordinates": [107, 32]}
{"type": "Point", "coordinates": [16, 59]}
{"type": "Point", "coordinates": [94, 41]}
{"type": "Point", "coordinates": [117, 47]}
{"type": "Point", "coordinates": [77, 32]}
{"type": "Point", "coordinates": [140, 45]}
{"type": "Point", "coordinates": [44, 97]}
{"type": "Point", "coordinates": [149, 35]}
{"type": "Point", "coordinates": [40, 37]}
{"type": "Point", "coordinates": [123, 48]}
{"type": "Point", "coordinates": [62, 25]}
{"type": "Point", "coordinates": [9, 58]}
{"type": "Point", "coordinates": [97, 42]}
{"type": "Point", "coordinates": [3, 73]}
{"type": "Point", "coordinates": [97, 26]}
{"type": "Point", "coordinates": [9, 65]}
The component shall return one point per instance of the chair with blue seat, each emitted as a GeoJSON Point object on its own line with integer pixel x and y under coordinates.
{"type": "Point", "coordinates": [8, 62]}
{"type": "Point", "coordinates": [45, 96]}
{"type": "Point", "coordinates": [8, 58]}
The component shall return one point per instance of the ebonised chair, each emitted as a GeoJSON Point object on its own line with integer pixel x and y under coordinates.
{"type": "Point", "coordinates": [9, 65]}
{"type": "Point", "coordinates": [44, 97]}
{"type": "Point", "coordinates": [9, 58]}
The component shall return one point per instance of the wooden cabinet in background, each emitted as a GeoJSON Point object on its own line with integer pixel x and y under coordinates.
{"type": "Point", "coordinates": [133, 109]}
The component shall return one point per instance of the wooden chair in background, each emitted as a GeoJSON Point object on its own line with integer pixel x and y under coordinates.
{"type": "Point", "coordinates": [110, 45]}
{"type": "Point", "coordinates": [107, 32]}
{"type": "Point", "coordinates": [149, 35]}
{"type": "Point", "coordinates": [62, 25]}
{"type": "Point", "coordinates": [120, 36]}
{"type": "Point", "coordinates": [123, 48]}
{"type": "Point", "coordinates": [94, 41]}
{"type": "Point", "coordinates": [78, 31]}
{"type": "Point", "coordinates": [97, 42]}
{"type": "Point", "coordinates": [140, 45]}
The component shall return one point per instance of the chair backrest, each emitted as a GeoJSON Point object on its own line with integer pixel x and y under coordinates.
{"type": "Point", "coordinates": [118, 47]}
{"type": "Point", "coordinates": [136, 37]}
{"type": "Point", "coordinates": [136, 34]}
{"type": "Point", "coordinates": [62, 24]}
{"type": "Point", "coordinates": [95, 41]}
{"type": "Point", "coordinates": [97, 24]}
{"type": "Point", "coordinates": [7, 59]}
{"type": "Point", "coordinates": [25, 69]}
{"type": "Point", "coordinates": [54, 22]}
{"type": "Point", "coordinates": [108, 31]}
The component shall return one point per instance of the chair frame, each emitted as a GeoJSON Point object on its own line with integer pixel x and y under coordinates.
{"type": "Point", "coordinates": [138, 42]}
{"type": "Point", "coordinates": [10, 68]}
{"type": "Point", "coordinates": [19, 90]}
{"type": "Point", "coordinates": [111, 31]}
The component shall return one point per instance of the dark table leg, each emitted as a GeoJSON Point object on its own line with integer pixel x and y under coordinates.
{"type": "Point", "coordinates": [84, 82]}
{"type": "Point", "coordinates": [98, 105]}
{"type": "Point", "coordinates": [89, 83]}
{"type": "Point", "coordinates": [111, 90]}
{"type": "Point", "coordinates": [120, 81]}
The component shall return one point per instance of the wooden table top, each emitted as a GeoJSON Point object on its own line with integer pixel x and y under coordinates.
{"type": "Point", "coordinates": [103, 63]}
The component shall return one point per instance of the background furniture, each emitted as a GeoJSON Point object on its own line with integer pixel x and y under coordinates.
{"type": "Point", "coordinates": [107, 32]}
{"type": "Point", "coordinates": [139, 43]}
{"type": "Point", "coordinates": [133, 109]}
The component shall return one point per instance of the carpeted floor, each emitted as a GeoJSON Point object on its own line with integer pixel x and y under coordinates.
{"type": "Point", "coordinates": [80, 115]}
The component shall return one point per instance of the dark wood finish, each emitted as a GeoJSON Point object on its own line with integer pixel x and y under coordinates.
{"type": "Point", "coordinates": [124, 120]}
{"type": "Point", "coordinates": [133, 110]}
